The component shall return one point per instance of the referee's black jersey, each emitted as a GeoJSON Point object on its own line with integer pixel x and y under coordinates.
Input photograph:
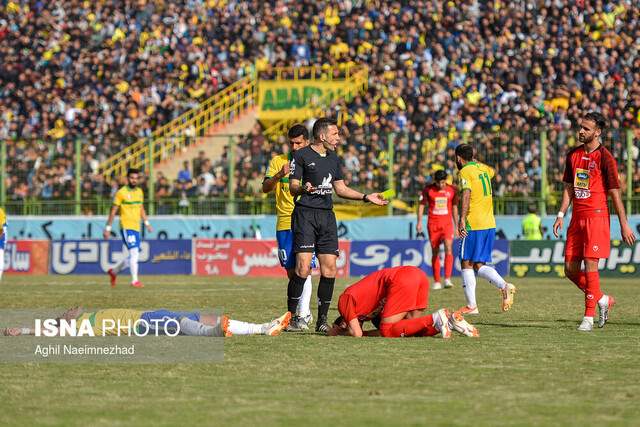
{"type": "Point", "coordinates": [321, 171]}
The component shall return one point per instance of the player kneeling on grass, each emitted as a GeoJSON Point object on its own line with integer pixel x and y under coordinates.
{"type": "Point", "coordinates": [398, 297]}
{"type": "Point", "coordinates": [190, 323]}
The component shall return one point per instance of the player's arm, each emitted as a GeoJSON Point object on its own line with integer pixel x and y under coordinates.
{"type": "Point", "coordinates": [419, 219]}
{"type": "Point", "coordinates": [421, 205]}
{"type": "Point", "coordinates": [455, 211]}
{"type": "Point", "coordinates": [112, 214]}
{"type": "Point", "coordinates": [145, 218]}
{"type": "Point", "coordinates": [273, 176]}
{"type": "Point", "coordinates": [355, 330]}
{"type": "Point", "coordinates": [16, 332]}
{"type": "Point", "coordinates": [627, 233]}
{"type": "Point", "coordinates": [567, 197]}
{"type": "Point", "coordinates": [342, 190]}
{"type": "Point", "coordinates": [464, 211]}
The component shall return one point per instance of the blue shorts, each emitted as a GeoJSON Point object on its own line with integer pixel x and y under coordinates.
{"type": "Point", "coordinates": [159, 318]}
{"type": "Point", "coordinates": [285, 250]}
{"type": "Point", "coordinates": [3, 239]}
{"type": "Point", "coordinates": [478, 245]}
{"type": "Point", "coordinates": [130, 238]}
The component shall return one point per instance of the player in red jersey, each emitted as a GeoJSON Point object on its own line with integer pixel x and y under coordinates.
{"type": "Point", "coordinates": [396, 297]}
{"type": "Point", "coordinates": [442, 200]}
{"type": "Point", "coordinates": [590, 175]}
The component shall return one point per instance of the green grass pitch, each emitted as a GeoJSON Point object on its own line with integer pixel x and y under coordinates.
{"type": "Point", "coordinates": [529, 367]}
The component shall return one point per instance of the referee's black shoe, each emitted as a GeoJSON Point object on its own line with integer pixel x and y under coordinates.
{"type": "Point", "coordinates": [321, 325]}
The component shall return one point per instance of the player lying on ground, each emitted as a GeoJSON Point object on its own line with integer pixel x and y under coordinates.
{"type": "Point", "coordinates": [590, 174]}
{"type": "Point", "coordinates": [477, 227]}
{"type": "Point", "coordinates": [191, 323]}
{"type": "Point", "coordinates": [397, 296]}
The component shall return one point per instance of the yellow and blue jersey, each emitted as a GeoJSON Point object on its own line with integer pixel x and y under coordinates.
{"type": "Point", "coordinates": [3, 224]}
{"type": "Point", "coordinates": [476, 177]}
{"type": "Point", "coordinates": [112, 321]}
{"type": "Point", "coordinates": [130, 201]}
{"type": "Point", "coordinates": [125, 322]}
{"type": "Point", "coordinates": [284, 199]}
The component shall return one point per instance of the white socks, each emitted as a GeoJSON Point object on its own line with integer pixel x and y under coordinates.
{"type": "Point", "coordinates": [134, 255]}
{"type": "Point", "coordinates": [130, 261]}
{"type": "Point", "coordinates": [469, 286]}
{"type": "Point", "coordinates": [491, 275]}
{"type": "Point", "coordinates": [603, 302]}
{"type": "Point", "coordinates": [303, 309]}
{"type": "Point", "coordinates": [124, 263]}
{"type": "Point", "coordinates": [237, 327]}
{"type": "Point", "coordinates": [1, 262]}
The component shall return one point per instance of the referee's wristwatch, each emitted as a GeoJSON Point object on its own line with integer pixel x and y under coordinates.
{"type": "Point", "coordinates": [365, 198]}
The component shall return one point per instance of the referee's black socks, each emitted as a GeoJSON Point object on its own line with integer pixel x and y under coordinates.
{"type": "Point", "coordinates": [294, 292]}
{"type": "Point", "coordinates": [325, 293]}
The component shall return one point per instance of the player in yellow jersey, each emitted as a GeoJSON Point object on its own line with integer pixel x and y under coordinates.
{"type": "Point", "coordinates": [126, 322]}
{"type": "Point", "coordinates": [277, 179]}
{"type": "Point", "coordinates": [477, 227]}
{"type": "Point", "coordinates": [3, 239]}
{"type": "Point", "coordinates": [129, 201]}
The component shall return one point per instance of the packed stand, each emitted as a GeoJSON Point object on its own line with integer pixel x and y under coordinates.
{"type": "Point", "coordinates": [440, 73]}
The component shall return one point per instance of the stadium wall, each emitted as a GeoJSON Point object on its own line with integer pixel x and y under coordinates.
{"type": "Point", "coordinates": [259, 258]}
{"type": "Point", "coordinates": [244, 226]}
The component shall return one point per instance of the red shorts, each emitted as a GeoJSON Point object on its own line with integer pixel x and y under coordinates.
{"type": "Point", "coordinates": [439, 232]}
{"type": "Point", "coordinates": [409, 291]}
{"type": "Point", "coordinates": [588, 238]}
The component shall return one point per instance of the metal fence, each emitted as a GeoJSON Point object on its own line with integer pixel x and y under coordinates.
{"type": "Point", "coordinates": [58, 177]}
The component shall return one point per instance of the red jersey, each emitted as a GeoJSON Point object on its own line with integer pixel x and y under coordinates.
{"type": "Point", "coordinates": [440, 203]}
{"type": "Point", "coordinates": [367, 297]}
{"type": "Point", "coordinates": [592, 175]}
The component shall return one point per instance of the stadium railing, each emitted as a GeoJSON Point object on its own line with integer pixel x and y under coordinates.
{"type": "Point", "coordinates": [222, 108]}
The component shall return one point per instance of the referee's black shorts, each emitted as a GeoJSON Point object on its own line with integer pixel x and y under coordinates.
{"type": "Point", "coordinates": [314, 230]}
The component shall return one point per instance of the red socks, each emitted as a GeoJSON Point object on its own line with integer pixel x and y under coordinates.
{"type": "Point", "coordinates": [448, 266]}
{"type": "Point", "coordinates": [580, 279]}
{"type": "Point", "coordinates": [592, 294]}
{"type": "Point", "coordinates": [435, 263]}
{"type": "Point", "coordinates": [420, 326]}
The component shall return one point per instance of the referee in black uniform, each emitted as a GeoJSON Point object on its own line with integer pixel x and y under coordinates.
{"type": "Point", "coordinates": [315, 174]}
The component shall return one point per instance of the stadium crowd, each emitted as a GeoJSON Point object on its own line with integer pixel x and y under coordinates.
{"type": "Point", "coordinates": [441, 72]}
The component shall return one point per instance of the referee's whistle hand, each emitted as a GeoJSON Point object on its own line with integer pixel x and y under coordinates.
{"type": "Point", "coordinates": [309, 188]}
{"type": "Point", "coordinates": [377, 199]}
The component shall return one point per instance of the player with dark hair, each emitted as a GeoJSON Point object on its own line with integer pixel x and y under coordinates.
{"type": "Point", "coordinates": [277, 179]}
{"type": "Point", "coordinates": [477, 227]}
{"type": "Point", "coordinates": [590, 175]}
{"type": "Point", "coordinates": [315, 174]}
{"type": "Point", "coordinates": [442, 201]}
{"type": "Point", "coordinates": [394, 299]}
{"type": "Point", "coordinates": [129, 202]}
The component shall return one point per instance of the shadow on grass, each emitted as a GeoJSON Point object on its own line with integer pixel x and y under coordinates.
{"type": "Point", "coordinates": [515, 325]}
{"type": "Point", "coordinates": [577, 320]}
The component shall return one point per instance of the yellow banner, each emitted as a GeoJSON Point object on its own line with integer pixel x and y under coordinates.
{"type": "Point", "coordinates": [287, 99]}
{"type": "Point", "coordinates": [355, 211]}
